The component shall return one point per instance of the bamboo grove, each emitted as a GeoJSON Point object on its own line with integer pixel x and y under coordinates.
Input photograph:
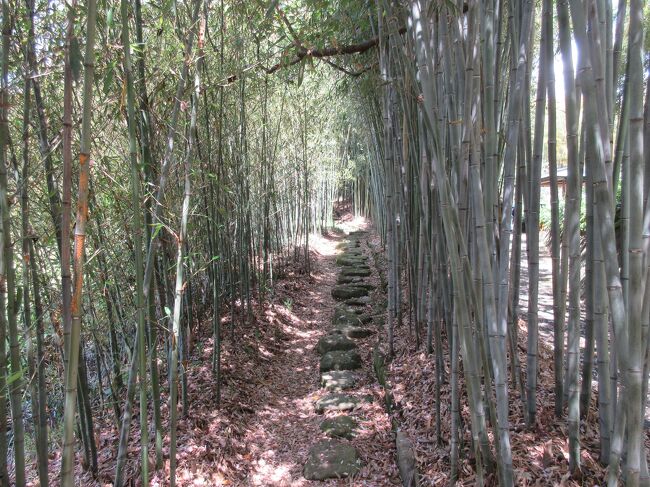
{"type": "Point", "coordinates": [466, 117]}
{"type": "Point", "coordinates": [163, 162]}
{"type": "Point", "coordinates": [193, 188]}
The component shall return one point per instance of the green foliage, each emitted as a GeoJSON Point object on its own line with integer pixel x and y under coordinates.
{"type": "Point", "coordinates": [545, 215]}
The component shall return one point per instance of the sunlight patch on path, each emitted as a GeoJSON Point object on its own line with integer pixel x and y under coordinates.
{"type": "Point", "coordinates": [280, 432]}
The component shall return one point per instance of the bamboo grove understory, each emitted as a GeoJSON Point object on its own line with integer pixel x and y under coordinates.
{"type": "Point", "coordinates": [202, 142]}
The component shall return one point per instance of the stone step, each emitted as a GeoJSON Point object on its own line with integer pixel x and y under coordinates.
{"type": "Point", "coordinates": [331, 459]}
{"type": "Point", "coordinates": [336, 401]}
{"type": "Point", "coordinates": [351, 260]}
{"type": "Point", "coordinates": [355, 281]}
{"type": "Point", "coordinates": [340, 427]}
{"type": "Point", "coordinates": [356, 271]}
{"type": "Point", "coordinates": [331, 343]}
{"type": "Point", "coordinates": [348, 291]}
{"type": "Point", "coordinates": [362, 301]}
{"type": "Point", "coordinates": [353, 332]}
{"type": "Point", "coordinates": [354, 251]}
{"type": "Point", "coordinates": [351, 317]}
{"type": "Point", "coordinates": [354, 265]}
{"type": "Point", "coordinates": [350, 280]}
{"type": "Point", "coordinates": [340, 360]}
{"type": "Point", "coordinates": [349, 244]}
{"type": "Point", "coordinates": [346, 316]}
{"type": "Point", "coordinates": [338, 380]}
{"type": "Point", "coordinates": [365, 318]}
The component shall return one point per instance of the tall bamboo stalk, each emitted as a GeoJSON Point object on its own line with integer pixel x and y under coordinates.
{"type": "Point", "coordinates": [532, 225]}
{"type": "Point", "coordinates": [137, 244]}
{"type": "Point", "coordinates": [635, 403]}
{"type": "Point", "coordinates": [572, 229]}
{"type": "Point", "coordinates": [67, 464]}
{"type": "Point", "coordinates": [8, 296]}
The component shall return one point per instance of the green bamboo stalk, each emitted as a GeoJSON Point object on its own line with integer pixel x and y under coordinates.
{"type": "Point", "coordinates": [558, 308]}
{"type": "Point", "coordinates": [66, 194]}
{"type": "Point", "coordinates": [42, 427]}
{"type": "Point", "coordinates": [147, 159]}
{"type": "Point", "coordinates": [137, 243]}
{"type": "Point", "coordinates": [532, 225]}
{"type": "Point", "coordinates": [8, 295]}
{"type": "Point", "coordinates": [514, 119]}
{"type": "Point", "coordinates": [22, 181]}
{"type": "Point", "coordinates": [176, 325]}
{"type": "Point", "coordinates": [572, 229]}
{"type": "Point", "coordinates": [67, 464]}
{"type": "Point", "coordinates": [636, 349]}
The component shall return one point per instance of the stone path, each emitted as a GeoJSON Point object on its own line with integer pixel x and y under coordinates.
{"type": "Point", "coordinates": [337, 458]}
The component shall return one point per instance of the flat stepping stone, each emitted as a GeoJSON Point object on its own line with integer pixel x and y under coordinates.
{"type": "Point", "coordinates": [348, 291]}
{"type": "Point", "coordinates": [352, 253]}
{"type": "Point", "coordinates": [353, 332]}
{"type": "Point", "coordinates": [362, 301]}
{"type": "Point", "coordinates": [369, 286]}
{"type": "Point", "coordinates": [342, 279]}
{"type": "Point", "coordinates": [340, 427]}
{"type": "Point", "coordinates": [349, 243]}
{"type": "Point", "coordinates": [351, 316]}
{"type": "Point", "coordinates": [332, 343]}
{"type": "Point", "coordinates": [356, 281]}
{"type": "Point", "coordinates": [340, 360]}
{"type": "Point", "coordinates": [338, 380]}
{"type": "Point", "coordinates": [336, 401]}
{"type": "Point", "coordinates": [345, 316]}
{"type": "Point", "coordinates": [356, 271]}
{"type": "Point", "coordinates": [351, 260]}
{"type": "Point", "coordinates": [365, 319]}
{"type": "Point", "coordinates": [354, 265]}
{"type": "Point", "coordinates": [331, 459]}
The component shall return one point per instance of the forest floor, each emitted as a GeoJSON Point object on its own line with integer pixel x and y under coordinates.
{"type": "Point", "coordinates": [261, 432]}
{"type": "Point", "coordinates": [540, 454]}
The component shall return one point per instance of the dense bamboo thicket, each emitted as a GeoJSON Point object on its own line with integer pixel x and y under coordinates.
{"type": "Point", "coordinates": [199, 179]}
{"type": "Point", "coordinates": [162, 163]}
{"type": "Point", "coordinates": [466, 118]}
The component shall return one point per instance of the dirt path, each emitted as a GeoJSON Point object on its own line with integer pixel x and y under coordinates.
{"type": "Point", "coordinates": [283, 426]}
{"type": "Point", "coordinates": [279, 434]}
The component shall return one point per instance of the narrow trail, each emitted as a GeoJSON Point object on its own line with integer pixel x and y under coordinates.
{"type": "Point", "coordinates": [283, 423]}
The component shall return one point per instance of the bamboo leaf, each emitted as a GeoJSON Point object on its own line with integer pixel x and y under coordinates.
{"type": "Point", "coordinates": [109, 18]}
{"type": "Point", "coordinates": [108, 78]}
{"type": "Point", "coordinates": [75, 58]}
{"type": "Point", "coordinates": [15, 376]}
{"type": "Point", "coordinates": [156, 229]}
{"type": "Point", "coordinates": [271, 8]}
